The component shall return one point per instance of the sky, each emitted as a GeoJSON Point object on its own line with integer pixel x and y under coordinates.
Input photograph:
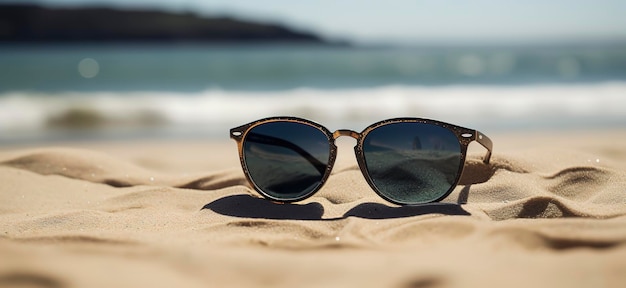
{"type": "Point", "coordinates": [415, 21]}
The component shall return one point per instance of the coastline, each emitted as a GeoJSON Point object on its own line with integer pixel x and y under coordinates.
{"type": "Point", "coordinates": [44, 117]}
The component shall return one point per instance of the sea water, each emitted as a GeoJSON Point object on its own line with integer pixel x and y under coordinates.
{"type": "Point", "coordinates": [56, 92]}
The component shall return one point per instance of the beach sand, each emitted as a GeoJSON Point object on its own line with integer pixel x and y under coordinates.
{"type": "Point", "coordinates": [549, 211]}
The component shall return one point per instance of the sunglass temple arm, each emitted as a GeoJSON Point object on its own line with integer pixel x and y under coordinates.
{"type": "Point", "coordinates": [483, 140]}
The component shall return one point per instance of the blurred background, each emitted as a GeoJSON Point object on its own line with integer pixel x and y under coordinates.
{"type": "Point", "coordinates": [73, 70]}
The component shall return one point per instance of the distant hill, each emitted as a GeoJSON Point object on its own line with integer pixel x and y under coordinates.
{"type": "Point", "coordinates": [32, 23]}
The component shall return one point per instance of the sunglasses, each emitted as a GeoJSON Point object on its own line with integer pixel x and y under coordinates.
{"type": "Point", "coordinates": [405, 160]}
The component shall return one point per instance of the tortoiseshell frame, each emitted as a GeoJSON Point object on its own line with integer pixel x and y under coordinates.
{"type": "Point", "coordinates": [464, 135]}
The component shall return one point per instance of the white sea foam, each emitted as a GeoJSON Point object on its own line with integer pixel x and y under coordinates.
{"type": "Point", "coordinates": [213, 111]}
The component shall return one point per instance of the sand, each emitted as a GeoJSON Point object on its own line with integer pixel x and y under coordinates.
{"type": "Point", "coordinates": [549, 211]}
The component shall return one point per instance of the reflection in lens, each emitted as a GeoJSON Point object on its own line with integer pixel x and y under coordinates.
{"type": "Point", "coordinates": [412, 163]}
{"type": "Point", "coordinates": [286, 160]}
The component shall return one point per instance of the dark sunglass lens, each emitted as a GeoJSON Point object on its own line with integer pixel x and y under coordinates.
{"type": "Point", "coordinates": [412, 162]}
{"type": "Point", "coordinates": [286, 160]}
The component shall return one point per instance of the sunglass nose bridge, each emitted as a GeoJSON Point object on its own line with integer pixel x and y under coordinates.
{"type": "Point", "coordinates": [345, 132]}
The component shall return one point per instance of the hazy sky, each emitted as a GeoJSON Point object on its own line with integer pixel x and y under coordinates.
{"type": "Point", "coordinates": [414, 21]}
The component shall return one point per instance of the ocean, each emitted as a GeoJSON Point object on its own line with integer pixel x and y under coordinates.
{"type": "Point", "coordinates": [169, 91]}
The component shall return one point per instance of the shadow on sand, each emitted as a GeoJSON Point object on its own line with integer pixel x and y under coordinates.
{"type": "Point", "coordinates": [246, 206]}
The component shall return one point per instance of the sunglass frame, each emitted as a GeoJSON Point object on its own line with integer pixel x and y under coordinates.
{"type": "Point", "coordinates": [464, 135]}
